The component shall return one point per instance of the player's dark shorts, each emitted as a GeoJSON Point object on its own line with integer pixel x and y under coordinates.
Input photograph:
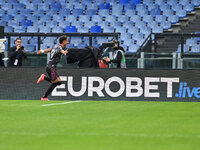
{"type": "Point", "coordinates": [52, 73]}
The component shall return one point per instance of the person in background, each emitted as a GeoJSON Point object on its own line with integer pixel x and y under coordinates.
{"type": "Point", "coordinates": [1, 61]}
{"type": "Point", "coordinates": [118, 60]}
{"type": "Point", "coordinates": [16, 53]}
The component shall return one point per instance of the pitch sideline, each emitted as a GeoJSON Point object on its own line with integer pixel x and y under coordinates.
{"type": "Point", "coordinates": [61, 103]}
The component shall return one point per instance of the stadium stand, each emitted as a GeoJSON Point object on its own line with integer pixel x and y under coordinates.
{"type": "Point", "coordinates": [134, 19]}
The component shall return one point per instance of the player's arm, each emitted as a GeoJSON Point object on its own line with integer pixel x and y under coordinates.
{"type": "Point", "coordinates": [44, 51]}
{"type": "Point", "coordinates": [64, 52]}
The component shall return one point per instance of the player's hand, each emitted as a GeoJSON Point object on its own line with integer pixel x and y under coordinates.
{"type": "Point", "coordinates": [39, 52]}
{"type": "Point", "coordinates": [18, 47]}
{"type": "Point", "coordinates": [65, 52]}
{"type": "Point", "coordinates": [106, 59]}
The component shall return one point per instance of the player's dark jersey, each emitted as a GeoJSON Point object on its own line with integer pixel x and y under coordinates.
{"type": "Point", "coordinates": [55, 56]}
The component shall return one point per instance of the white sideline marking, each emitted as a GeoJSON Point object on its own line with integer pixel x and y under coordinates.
{"type": "Point", "coordinates": [60, 103]}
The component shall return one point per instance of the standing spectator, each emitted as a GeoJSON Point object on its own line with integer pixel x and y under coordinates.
{"type": "Point", "coordinates": [16, 53]}
{"type": "Point", "coordinates": [118, 60]}
{"type": "Point", "coordinates": [1, 61]}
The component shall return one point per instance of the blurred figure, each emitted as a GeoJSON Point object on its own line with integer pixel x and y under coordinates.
{"type": "Point", "coordinates": [118, 60]}
{"type": "Point", "coordinates": [16, 53]}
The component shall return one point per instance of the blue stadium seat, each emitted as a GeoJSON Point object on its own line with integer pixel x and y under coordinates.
{"type": "Point", "coordinates": [135, 18]}
{"type": "Point", "coordinates": [155, 11]}
{"type": "Point", "coordinates": [110, 18]}
{"type": "Point", "coordinates": [56, 5]}
{"type": "Point", "coordinates": [95, 29]}
{"type": "Point", "coordinates": [97, 18]}
{"type": "Point", "coordinates": [103, 24]}
{"type": "Point", "coordinates": [173, 19]}
{"type": "Point", "coordinates": [104, 12]}
{"type": "Point", "coordinates": [44, 7]}
{"type": "Point", "coordinates": [168, 12]}
{"type": "Point", "coordinates": [157, 29]}
{"type": "Point", "coordinates": [117, 12]}
{"type": "Point", "coordinates": [3, 23]}
{"type": "Point", "coordinates": [90, 12]}
{"type": "Point", "coordinates": [189, 7]}
{"type": "Point", "coordinates": [77, 12]}
{"type": "Point", "coordinates": [78, 24]}
{"type": "Point", "coordinates": [133, 30]}
{"type": "Point", "coordinates": [19, 29]}
{"type": "Point", "coordinates": [63, 23]}
{"type": "Point", "coordinates": [109, 30]}
{"type": "Point", "coordinates": [123, 18]}
{"type": "Point", "coordinates": [83, 30]}
{"type": "Point", "coordinates": [116, 24]}
{"type": "Point", "coordinates": [177, 7]}
{"type": "Point", "coordinates": [125, 36]}
{"type": "Point", "coordinates": [80, 6]}
{"type": "Point", "coordinates": [135, 2]}
{"type": "Point", "coordinates": [160, 18]}
{"type": "Point", "coordinates": [181, 13]}
{"type": "Point", "coordinates": [57, 30]}
{"type": "Point", "coordinates": [84, 18]}
{"type": "Point", "coordinates": [123, 2]}
{"type": "Point", "coordinates": [7, 17]}
{"type": "Point", "coordinates": [104, 6]}
{"type": "Point", "coordinates": [89, 24]}
{"type": "Point", "coordinates": [166, 25]}
{"type": "Point", "coordinates": [195, 2]}
{"type": "Point", "coordinates": [32, 6]}
{"type": "Point", "coordinates": [71, 18]}
{"type": "Point", "coordinates": [120, 29]}
{"type": "Point", "coordinates": [65, 12]}
{"type": "Point", "coordinates": [26, 23]}
{"type": "Point", "coordinates": [133, 48]}
{"type": "Point", "coordinates": [70, 29]}
{"type": "Point", "coordinates": [130, 12]}
{"type": "Point", "coordinates": [45, 29]}
{"type": "Point", "coordinates": [32, 29]}
{"type": "Point", "coordinates": [30, 48]}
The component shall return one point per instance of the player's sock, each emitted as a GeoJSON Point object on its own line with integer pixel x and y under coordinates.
{"type": "Point", "coordinates": [47, 79]}
{"type": "Point", "coordinates": [51, 87]}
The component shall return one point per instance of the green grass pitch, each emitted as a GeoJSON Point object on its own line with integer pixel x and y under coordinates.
{"type": "Point", "coordinates": [99, 125]}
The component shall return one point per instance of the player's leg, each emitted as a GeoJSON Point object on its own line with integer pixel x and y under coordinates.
{"type": "Point", "coordinates": [55, 81]}
{"type": "Point", "coordinates": [44, 77]}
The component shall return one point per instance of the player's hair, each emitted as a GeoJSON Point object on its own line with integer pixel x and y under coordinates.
{"type": "Point", "coordinates": [18, 39]}
{"type": "Point", "coordinates": [62, 38]}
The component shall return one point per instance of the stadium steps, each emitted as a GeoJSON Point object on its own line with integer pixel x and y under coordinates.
{"type": "Point", "coordinates": [190, 24]}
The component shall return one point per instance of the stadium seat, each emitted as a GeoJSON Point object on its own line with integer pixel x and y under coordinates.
{"type": "Point", "coordinates": [77, 12]}
{"type": "Point", "coordinates": [32, 29]}
{"type": "Point", "coordinates": [109, 30]}
{"type": "Point", "coordinates": [30, 48]}
{"type": "Point", "coordinates": [123, 2]}
{"type": "Point", "coordinates": [95, 29]}
{"type": "Point", "coordinates": [83, 30]}
{"type": "Point", "coordinates": [70, 29]}
{"type": "Point", "coordinates": [57, 30]}
{"type": "Point", "coordinates": [104, 12]}
{"type": "Point", "coordinates": [97, 18]}
{"type": "Point", "coordinates": [104, 6]}
{"type": "Point", "coordinates": [90, 12]}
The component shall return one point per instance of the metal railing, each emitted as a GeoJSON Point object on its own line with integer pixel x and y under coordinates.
{"type": "Point", "coordinates": [39, 35]}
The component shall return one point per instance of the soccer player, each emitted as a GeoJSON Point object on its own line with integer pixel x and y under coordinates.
{"type": "Point", "coordinates": [53, 76]}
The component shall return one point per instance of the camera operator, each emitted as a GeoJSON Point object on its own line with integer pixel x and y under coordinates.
{"type": "Point", "coordinates": [118, 57]}
{"type": "Point", "coordinates": [16, 53]}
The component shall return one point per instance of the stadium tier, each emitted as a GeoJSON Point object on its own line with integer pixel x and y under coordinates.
{"type": "Point", "coordinates": [134, 19]}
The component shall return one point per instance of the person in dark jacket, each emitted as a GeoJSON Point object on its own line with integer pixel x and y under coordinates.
{"type": "Point", "coordinates": [16, 53]}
